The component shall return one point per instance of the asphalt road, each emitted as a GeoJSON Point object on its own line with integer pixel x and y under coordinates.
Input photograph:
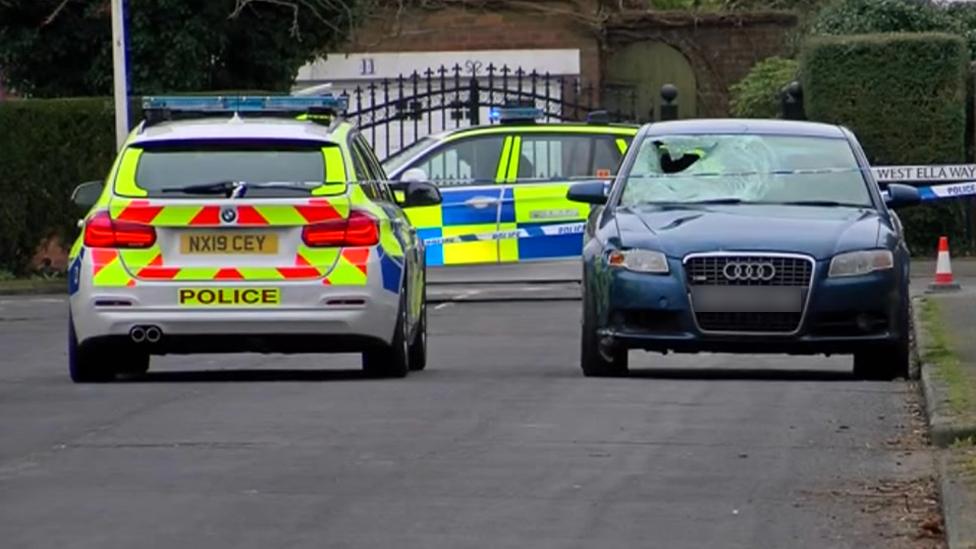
{"type": "Point", "coordinates": [501, 443]}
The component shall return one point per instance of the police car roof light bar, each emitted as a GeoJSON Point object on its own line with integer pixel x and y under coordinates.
{"type": "Point", "coordinates": [516, 114]}
{"type": "Point", "coordinates": [598, 117]}
{"type": "Point", "coordinates": [161, 108]}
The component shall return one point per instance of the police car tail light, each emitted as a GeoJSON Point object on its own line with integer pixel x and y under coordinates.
{"type": "Point", "coordinates": [101, 231]}
{"type": "Point", "coordinates": [359, 229]}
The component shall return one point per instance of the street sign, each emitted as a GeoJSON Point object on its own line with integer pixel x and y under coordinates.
{"type": "Point", "coordinates": [925, 174]}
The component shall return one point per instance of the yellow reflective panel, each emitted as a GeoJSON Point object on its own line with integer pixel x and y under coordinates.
{"type": "Point", "coordinates": [125, 177]}
{"type": "Point", "coordinates": [112, 274]}
{"type": "Point", "coordinates": [137, 259]}
{"type": "Point", "coordinates": [260, 273]}
{"type": "Point", "coordinates": [176, 216]}
{"type": "Point", "coordinates": [278, 214]}
{"type": "Point", "coordinates": [484, 251]}
{"type": "Point", "coordinates": [346, 273]}
{"type": "Point", "coordinates": [622, 145]}
{"type": "Point", "coordinates": [425, 217]}
{"type": "Point", "coordinates": [197, 273]}
{"type": "Point", "coordinates": [335, 172]}
{"type": "Point", "coordinates": [503, 163]}
{"type": "Point", "coordinates": [546, 203]}
{"type": "Point", "coordinates": [508, 250]}
{"type": "Point", "coordinates": [513, 164]}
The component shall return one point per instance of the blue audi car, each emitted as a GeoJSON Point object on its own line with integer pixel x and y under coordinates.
{"type": "Point", "coordinates": [748, 236]}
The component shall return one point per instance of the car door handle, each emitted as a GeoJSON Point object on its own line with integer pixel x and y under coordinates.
{"type": "Point", "coordinates": [481, 202]}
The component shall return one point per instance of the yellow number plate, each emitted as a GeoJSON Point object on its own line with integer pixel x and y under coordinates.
{"type": "Point", "coordinates": [229, 297]}
{"type": "Point", "coordinates": [228, 243]}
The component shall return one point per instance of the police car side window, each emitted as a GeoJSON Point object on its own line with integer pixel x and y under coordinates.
{"type": "Point", "coordinates": [549, 157]}
{"type": "Point", "coordinates": [363, 175]}
{"type": "Point", "coordinates": [606, 156]}
{"type": "Point", "coordinates": [375, 169]}
{"type": "Point", "coordinates": [466, 161]}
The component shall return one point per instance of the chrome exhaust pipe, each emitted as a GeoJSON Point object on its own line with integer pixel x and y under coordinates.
{"type": "Point", "coordinates": [153, 334]}
{"type": "Point", "coordinates": [137, 334]}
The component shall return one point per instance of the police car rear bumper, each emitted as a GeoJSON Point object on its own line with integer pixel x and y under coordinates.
{"type": "Point", "coordinates": [310, 318]}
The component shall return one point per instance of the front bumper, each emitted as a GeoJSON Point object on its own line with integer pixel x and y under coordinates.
{"type": "Point", "coordinates": [841, 315]}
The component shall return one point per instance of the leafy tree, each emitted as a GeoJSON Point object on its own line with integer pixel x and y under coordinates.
{"type": "Point", "coordinates": [54, 48]}
{"type": "Point", "coordinates": [758, 94]}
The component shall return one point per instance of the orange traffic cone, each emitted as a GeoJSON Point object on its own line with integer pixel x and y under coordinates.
{"type": "Point", "coordinates": [943, 269]}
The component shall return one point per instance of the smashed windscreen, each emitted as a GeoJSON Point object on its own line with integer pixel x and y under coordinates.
{"type": "Point", "coordinates": [747, 169]}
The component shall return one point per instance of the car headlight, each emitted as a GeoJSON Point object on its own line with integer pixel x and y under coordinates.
{"type": "Point", "coordinates": [641, 261]}
{"type": "Point", "coordinates": [860, 263]}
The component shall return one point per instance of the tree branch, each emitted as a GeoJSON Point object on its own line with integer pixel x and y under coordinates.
{"type": "Point", "coordinates": [54, 14]}
{"type": "Point", "coordinates": [296, 6]}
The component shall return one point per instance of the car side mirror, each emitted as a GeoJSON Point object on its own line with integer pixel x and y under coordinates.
{"type": "Point", "coordinates": [87, 194]}
{"type": "Point", "coordinates": [902, 196]}
{"type": "Point", "coordinates": [417, 193]}
{"type": "Point", "coordinates": [590, 192]}
{"type": "Point", "coordinates": [414, 174]}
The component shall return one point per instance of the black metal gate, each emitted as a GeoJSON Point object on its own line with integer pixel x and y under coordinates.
{"type": "Point", "coordinates": [396, 112]}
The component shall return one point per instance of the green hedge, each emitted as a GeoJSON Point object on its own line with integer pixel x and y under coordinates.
{"type": "Point", "coordinates": [758, 94]}
{"type": "Point", "coordinates": [46, 148]}
{"type": "Point", "coordinates": [904, 95]}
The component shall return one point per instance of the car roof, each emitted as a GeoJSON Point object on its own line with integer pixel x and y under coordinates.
{"type": "Point", "coordinates": [235, 128]}
{"type": "Point", "coordinates": [596, 128]}
{"type": "Point", "coordinates": [746, 126]}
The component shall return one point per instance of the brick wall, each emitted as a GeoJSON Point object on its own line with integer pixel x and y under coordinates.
{"type": "Point", "coordinates": [720, 48]}
{"type": "Point", "coordinates": [535, 25]}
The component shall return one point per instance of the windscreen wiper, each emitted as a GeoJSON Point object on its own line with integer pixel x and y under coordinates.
{"type": "Point", "coordinates": [825, 203]}
{"type": "Point", "coordinates": [719, 201]}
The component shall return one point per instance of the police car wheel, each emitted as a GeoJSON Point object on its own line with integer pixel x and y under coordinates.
{"type": "Point", "coordinates": [418, 348]}
{"type": "Point", "coordinates": [597, 362]}
{"type": "Point", "coordinates": [87, 363]}
{"type": "Point", "coordinates": [392, 360]}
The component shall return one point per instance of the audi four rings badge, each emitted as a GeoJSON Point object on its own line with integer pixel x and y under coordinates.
{"type": "Point", "coordinates": [228, 214]}
{"type": "Point", "coordinates": [749, 270]}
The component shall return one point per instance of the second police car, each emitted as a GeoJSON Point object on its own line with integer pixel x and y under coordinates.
{"type": "Point", "coordinates": [246, 224]}
{"type": "Point", "coordinates": [504, 186]}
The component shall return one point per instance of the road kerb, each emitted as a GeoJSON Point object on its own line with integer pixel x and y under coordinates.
{"type": "Point", "coordinates": [957, 489]}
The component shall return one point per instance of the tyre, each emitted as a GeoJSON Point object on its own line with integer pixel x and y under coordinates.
{"type": "Point", "coordinates": [889, 361]}
{"type": "Point", "coordinates": [392, 360]}
{"type": "Point", "coordinates": [87, 363]}
{"type": "Point", "coordinates": [597, 362]}
{"type": "Point", "coordinates": [417, 353]}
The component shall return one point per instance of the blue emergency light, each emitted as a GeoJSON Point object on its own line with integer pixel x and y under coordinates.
{"type": "Point", "coordinates": [250, 104]}
{"type": "Point", "coordinates": [515, 114]}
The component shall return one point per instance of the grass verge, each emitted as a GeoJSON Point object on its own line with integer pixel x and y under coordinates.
{"type": "Point", "coordinates": [33, 285]}
{"type": "Point", "coordinates": [947, 366]}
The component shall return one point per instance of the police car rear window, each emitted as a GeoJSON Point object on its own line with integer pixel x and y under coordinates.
{"type": "Point", "coordinates": [174, 165]}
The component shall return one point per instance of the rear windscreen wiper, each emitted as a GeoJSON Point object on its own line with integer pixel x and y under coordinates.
{"type": "Point", "coordinates": [217, 187]}
{"type": "Point", "coordinates": [239, 188]}
{"type": "Point", "coordinates": [297, 185]}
